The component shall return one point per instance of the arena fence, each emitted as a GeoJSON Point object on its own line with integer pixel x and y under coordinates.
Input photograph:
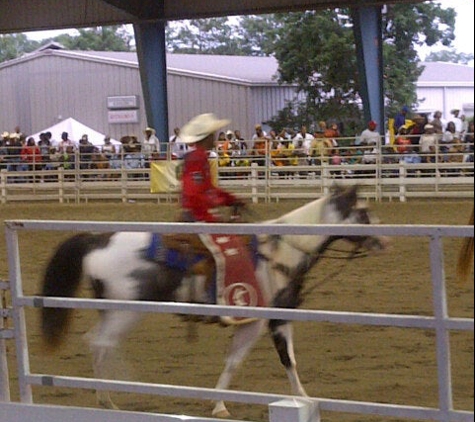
{"type": "Point", "coordinates": [390, 176]}
{"type": "Point", "coordinates": [440, 322]}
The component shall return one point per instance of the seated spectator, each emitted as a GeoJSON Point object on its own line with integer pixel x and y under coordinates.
{"type": "Point", "coordinates": [44, 144]}
{"type": "Point", "coordinates": [31, 155]}
{"type": "Point", "coordinates": [370, 155]}
{"type": "Point", "coordinates": [332, 133]}
{"type": "Point", "coordinates": [437, 123]}
{"type": "Point", "coordinates": [260, 140]}
{"type": "Point", "coordinates": [110, 151]}
{"type": "Point", "coordinates": [468, 143]}
{"type": "Point", "coordinates": [402, 141]}
{"type": "Point", "coordinates": [86, 149]}
{"type": "Point", "coordinates": [450, 143]}
{"type": "Point", "coordinates": [320, 149]}
{"type": "Point", "coordinates": [417, 129]}
{"type": "Point", "coordinates": [427, 144]}
{"type": "Point", "coordinates": [65, 142]}
{"type": "Point", "coordinates": [370, 136]}
{"type": "Point", "coordinates": [4, 151]}
{"type": "Point", "coordinates": [68, 158]}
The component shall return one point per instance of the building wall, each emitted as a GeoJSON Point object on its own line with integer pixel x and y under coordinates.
{"type": "Point", "coordinates": [37, 92]}
{"type": "Point", "coordinates": [446, 98]}
{"type": "Point", "coordinates": [45, 90]}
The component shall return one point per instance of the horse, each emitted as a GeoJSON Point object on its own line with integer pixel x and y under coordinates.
{"type": "Point", "coordinates": [465, 257]}
{"type": "Point", "coordinates": [281, 263]}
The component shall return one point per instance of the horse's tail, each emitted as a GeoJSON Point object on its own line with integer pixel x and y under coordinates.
{"type": "Point", "coordinates": [465, 259]}
{"type": "Point", "coordinates": [61, 279]}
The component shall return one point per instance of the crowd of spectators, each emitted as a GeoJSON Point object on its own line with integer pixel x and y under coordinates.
{"type": "Point", "coordinates": [416, 139]}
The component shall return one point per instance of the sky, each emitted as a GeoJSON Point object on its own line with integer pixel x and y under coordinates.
{"type": "Point", "coordinates": [464, 27]}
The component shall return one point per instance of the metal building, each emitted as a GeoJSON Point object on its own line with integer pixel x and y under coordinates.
{"type": "Point", "coordinates": [103, 90]}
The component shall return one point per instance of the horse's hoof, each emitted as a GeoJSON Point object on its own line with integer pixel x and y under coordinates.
{"type": "Point", "coordinates": [222, 414]}
{"type": "Point", "coordinates": [107, 404]}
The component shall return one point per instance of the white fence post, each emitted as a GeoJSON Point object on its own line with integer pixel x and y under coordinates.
{"type": "Point", "coordinates": [294, 410]}
{"type": "Point", "coordinates": [254, 182]}
{"type": "Point", "coordinates": [3, 184]}
{"type": "Point", "coordinates": [4, 375]}
{"type": "Point", "coordinates": [402, 182]}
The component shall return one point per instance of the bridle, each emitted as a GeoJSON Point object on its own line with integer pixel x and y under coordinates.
{"type": "Point", "coordinates": [297, 273]}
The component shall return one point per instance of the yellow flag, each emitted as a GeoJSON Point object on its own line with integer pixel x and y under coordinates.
{"type": "Point", "coordinates": [165, 176]}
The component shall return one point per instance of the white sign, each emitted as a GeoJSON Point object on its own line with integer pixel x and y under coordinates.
{"type": "Point", "coordinates": [121, 102]}
{"type": "Point", "coordinates": [123, 116]}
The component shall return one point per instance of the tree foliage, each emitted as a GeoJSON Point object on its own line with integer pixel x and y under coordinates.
{"type": "Point", "coordinates": [405, 27]}
{"type": "Point", "coordinates": [101, 38]}
{"type": "Point", "coordinates": [315, 51]}
{"type": "Point", "coordinates": [204, 36]}
{"type": "Point", "coordinates": [105, 38]}
{"type": "Point", "coordinates": [13, 46]}
{"type": "Point", "coordinates": [449, 56]}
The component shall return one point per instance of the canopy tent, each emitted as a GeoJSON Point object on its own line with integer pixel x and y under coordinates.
{"type": "Point", "coordinates": [75, 132]}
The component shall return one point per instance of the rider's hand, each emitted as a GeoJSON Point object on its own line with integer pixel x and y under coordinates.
{"type": "Point", "coordinates": [236, 210]}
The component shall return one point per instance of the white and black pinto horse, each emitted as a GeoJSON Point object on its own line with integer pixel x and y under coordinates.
{"type": "Point", "coordinates": [135, 276]}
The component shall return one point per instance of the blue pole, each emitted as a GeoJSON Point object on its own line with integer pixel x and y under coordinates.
{"type": "Point", "coordinates": [151, 51]}
{"type": "Point", "coordinates": [369, 49]}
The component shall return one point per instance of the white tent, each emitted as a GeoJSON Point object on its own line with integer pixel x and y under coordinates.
{"type": "Point", "coordinates": [75, 132]}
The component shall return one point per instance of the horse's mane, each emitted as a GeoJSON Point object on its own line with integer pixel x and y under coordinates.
{"type": "Point", "coordinates": [307, 214]}
{"type": "Point", "coordinates": [310, 213]}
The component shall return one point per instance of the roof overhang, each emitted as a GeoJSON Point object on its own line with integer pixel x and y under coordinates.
{"type": "Point", "coordinates": [33, 15]}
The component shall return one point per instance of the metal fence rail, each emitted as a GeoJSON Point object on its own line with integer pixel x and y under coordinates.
{"type": "Point", "coordinates": [440, 322]}
{"type": "Point", "coordinates": [382, 180]}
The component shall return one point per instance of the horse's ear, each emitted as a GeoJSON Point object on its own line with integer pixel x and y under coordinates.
{"type": "Point", "coordinates": [346, 199]}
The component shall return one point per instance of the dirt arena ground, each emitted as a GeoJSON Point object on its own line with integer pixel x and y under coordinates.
{"type": "Point", "coordinates": [386, 365]}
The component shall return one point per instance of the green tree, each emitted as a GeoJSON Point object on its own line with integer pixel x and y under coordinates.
{"type": "Point", "coordinates": [102, 38]}
{"type": "Point", "coordinates": [257, 34]}
{"type": "Point", "coordinates": [13, 46]}
{"type": "Point", "coordinates": [316, 51]}
{"type": "Point", "coordinates": [406, 26]}
{"type": "Point", "coordinates": [204, 36]}
{"type": "Point", "coordinates": [450, 56]}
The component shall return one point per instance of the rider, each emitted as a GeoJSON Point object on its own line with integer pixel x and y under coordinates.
{"type": "Point", "coordinates": [200, 195]}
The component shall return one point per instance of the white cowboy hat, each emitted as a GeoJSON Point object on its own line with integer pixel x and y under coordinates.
{"type": "Point", "coordinates": [201, 127]}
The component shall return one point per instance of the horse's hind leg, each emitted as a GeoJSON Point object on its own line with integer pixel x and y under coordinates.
{"type": "Point", "coordinates": [103, 339]}
{"type": "Point", "coordinates": [244, 338]}
{"type": "Point", "coordinates": [282, 335]}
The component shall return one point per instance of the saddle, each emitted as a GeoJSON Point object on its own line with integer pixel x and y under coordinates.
{"type": "Point", "coordinates": [227, 264]}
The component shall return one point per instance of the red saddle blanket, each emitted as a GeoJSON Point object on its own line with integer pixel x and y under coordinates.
{"type": "Point", "coordinates": [236, 281]}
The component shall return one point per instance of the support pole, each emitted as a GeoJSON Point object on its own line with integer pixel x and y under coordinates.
{"type": "Point", "coordinates": [369, 49]}
{"type": "Point", "coordinates": [151, 51]}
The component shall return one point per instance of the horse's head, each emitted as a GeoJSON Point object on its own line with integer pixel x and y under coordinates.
{"type": "Point", "coordinates": [343, 207]}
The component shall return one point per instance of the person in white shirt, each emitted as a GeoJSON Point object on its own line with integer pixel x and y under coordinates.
{"type": "Point", "coordinates": [306, 139]}
{"type": "Point", "coordinates": [457, 121]}
{"type": "Point", "coordinates": [428, 144]}
{"type": "Point", "coordinates": [150, 145]}
{"type": "Point", "coordinates": [178, 149]}
{"type": "Point", "coordinates": [370, 136]}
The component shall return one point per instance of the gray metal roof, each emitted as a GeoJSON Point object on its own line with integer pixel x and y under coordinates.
{"type": "Point", "coordinates": [243, 69]}
{"type": "Point", "coordinates": [446, 72]}
{"type": "Point", "coordinates": [35, 15]}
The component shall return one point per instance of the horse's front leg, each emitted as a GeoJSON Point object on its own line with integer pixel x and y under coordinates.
{"type": "Point", "coordinates": [103, 339]}
{"type": "Point", "coordinates": [282, 335]}
{"type": "Point", "coordinates": [244, 339]}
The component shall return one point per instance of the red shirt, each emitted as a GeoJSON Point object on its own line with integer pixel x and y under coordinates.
{"type": "Point", "coordinates": [31, 154]}
{"type": "Point", "coordinates": [199, 194]}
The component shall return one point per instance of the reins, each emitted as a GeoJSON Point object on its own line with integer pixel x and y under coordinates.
{"type": "Point", "coordinates": [297, 274]}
